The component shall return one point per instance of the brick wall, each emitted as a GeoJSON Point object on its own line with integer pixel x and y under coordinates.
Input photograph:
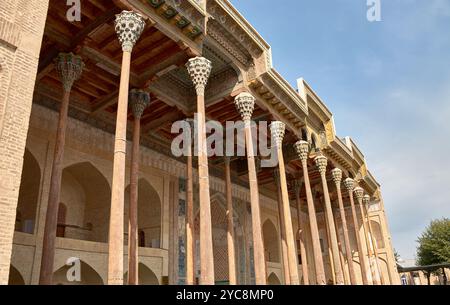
{"type": "Point", "coordinates": [21, 29]}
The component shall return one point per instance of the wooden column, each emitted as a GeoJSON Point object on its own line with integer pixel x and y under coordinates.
{"type": "Point", "coordinates": [350, 185]}
{"type": "Point", "coordinates": [278, 129]}
{"type": "Point", "coordinates": [245, 104]}
{"type": "Point", "coordinates": [302, 149]}
{"type": "Point", "coordinates": [366, 202]}
{"type": "Point", "coordinates": [199, 69]}
{"type": "Point", "coordinates": [230, 225]}
{"type": "Point", "coordinates": [69, 68]}
{"type": "Point", "coordinates": [284, 248]}
{"type": "Point", "coordinates": [138, 100]}
{"type": "Point", "coordinates": [321, 163]}
{"type": "Point", "coordinates": [301, 233]}
{"type": "Point", "coordinates": [359, 193]}
{"type": "Point", "coordinates": [341, 249]}
{"type": "Point", "coordinates": [129, 27]}
{"type": "Point", "coordinates": [190, 221]}
{"type": "Point", "coordinates": [337, 178]}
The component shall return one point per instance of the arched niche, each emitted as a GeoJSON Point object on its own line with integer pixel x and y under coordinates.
{"type": "Point", "coordinates": [15, 278]}
{"type": "Point", "coordinates": [273, 279]}
{"type": "Point", "coordinates": [88, 275]}
{"type": "Point", "coordinates": [220, 246]}
{"type": "Point", "coordinates": [28, 194]}
{"type": "Point", "coordinates": [149, 214]}
{"type": "Point", "coordinates": [145, 276]}
{"type": "Point", "coordinates": [271, 242]}
{"type": "Point", "coordinates": [86, 194]}
{"type": "Point", "coordinates": [377, 234]}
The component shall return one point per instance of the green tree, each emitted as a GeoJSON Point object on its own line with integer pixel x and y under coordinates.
{"type": "Point", "coordinates": [434, 243]}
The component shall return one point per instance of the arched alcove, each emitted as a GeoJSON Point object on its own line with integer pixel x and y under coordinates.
{"type": "Point", "coordinates": [145, 276]}
{"type": "Point", "coordinates": [15, 278]}
{"type": "Point", "coordinates": [88, 275]}
{"type": "Point", "coordinates": [28, 194]}
{"type": "Point", "coordinates": [87, 196]}
{"type": "Point", "coordinates": [273, 279]}
{"type": "Point", "coordinates": [377, 234]}
{"type": "Point", "coordinates": [271, 242]}
{"type": "Point", "coordinates": [149, 214]}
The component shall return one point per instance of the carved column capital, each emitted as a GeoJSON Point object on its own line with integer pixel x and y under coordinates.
{"type": "Point", "coordinates": [129, 27]}
{"type": "Point", "coordinates": [349, 184]}
{"type": "Point", "coordinates": [277, 130]}
{"type": "Point", "coordinates": [302, 149]}
{"type": "Point", "coordinates": [245, 104]}
{"type": "Point", "coordinates": [321, 163]}
{"type": "Point", "coordinates": [139, 100]}
{"type": "Point", "coordinates": [199, 69]}
{"type": "Point", "coordinates": [69, 67]}
{"type": "Point", "coordinates": [336, 173]}
{"type": "Point", "coordinates": [359, 193]}
{"type": "Point", "coordinates": [366, 199]}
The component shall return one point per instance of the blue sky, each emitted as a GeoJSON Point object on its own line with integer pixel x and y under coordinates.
{"type": "Point", "coordinates": [388, 86]}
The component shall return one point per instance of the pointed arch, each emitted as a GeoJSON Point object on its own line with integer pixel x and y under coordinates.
{"type": "Point", "coordinates": [273, 279]}
{"type": "Point", "coordinates": [28, 194]}
{"type": "Point", "coordinates": [271, 242]}
{"type": "Point", "coordinates": [15, 278]}
{"type": "Point", "coordinates": [377, 234]}
{"type": "Point", "coordinates": [87, 195]}
{"type": "Point", "coordinates": [149, 214]}
{"type": "Point", "coordinates": [89, 276]}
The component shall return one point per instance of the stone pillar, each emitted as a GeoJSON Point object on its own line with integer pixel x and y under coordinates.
{"type": "Point", "coordinates": [277, 130]}
{"type": "Point", "coordinates": [138, 100]}
{"type": "Point", "coordinates": [350, 185]}
{"type": "Point", "coordinates": [129, 27]}
{"type": "Point", "coordinates": [359, 193]}
{"type": "Point", "coordinates": [372, 241]}
{"type": "Point", "coordinates": [337, 178]}
{"type": "Point", "coordinates": [284, 248]}
{"type": "Point", "coordinates": [302, 149]}
{"type": "Point", "coordinates": [245, 104]}
{"type": "Point", "coordinates": [321, 163]}
{"type": "Point", "coordinates": [230, 225]}
{"type": "Point", "coordinates": [301, 233]}
{"type": "Point", "coordinates": [190, 221]}
{"type": "Point", "coordinates": [69, 68]}
{"type": "Point", "coordinates": [199, 69]}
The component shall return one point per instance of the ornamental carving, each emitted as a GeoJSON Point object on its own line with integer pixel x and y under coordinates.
{"type": "Point", "coordinates": [277, 130]}
{"type": "Point", "coordinates": [139, 100]}
{"type": "Point", "coordinates": [245, 104]}
{"type": "Point", "coordinates": [336, 174]}
{"type": "Point", "coordinates": [302, 149]}
{"type": "Point", "coordinates": [321, 163]}
{"type": "Point", "coordinates": [349, 184]}
{"type": "Point", "coordinates": [359, 193]}
{"type": "Point", "coordinates": [69, 67]}
{"type": "Point", "coordinates": [129, 27]}
{"type": "Point", "coordinates": [199, 69]}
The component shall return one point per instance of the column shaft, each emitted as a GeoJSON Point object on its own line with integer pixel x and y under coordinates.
{"type": "Point", "coordinates": [290, 239]}
{"type": "Point", "coordinates": [375, 250]}
{"type": "Point", "coordinates": [190, 240]}
{"type": "Point", "coordinates": [332, 232]}
{"type": "Point", "coordinates": [284, 248]}
{"type": "Point", "coordinates": [115, 251]}
{"type": "Point", "coordinates": [258, 245]}
{"type": "Point", "coordinates": [367, 243]}
{"type": "Point", "coordinates": [206, 244]}
{"type": "Point", "coordinates": [318, 260]}
{"type": "Point", "coordinates": [301, 237]}
{"type": "Point", "coordinates": [348, 251]}
{"type": "Point", "coordinates": [362, 258]}
{"type": "Point", "coordinates": [48, 246]}
{"type": "Point", "coordinates": [230, 227]}
{"type": "Point", "coordinates": [133, 207]}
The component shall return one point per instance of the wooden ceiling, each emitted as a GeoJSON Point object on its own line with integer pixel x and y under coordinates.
{"type": "Point", "coordinates": [95, 93]}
